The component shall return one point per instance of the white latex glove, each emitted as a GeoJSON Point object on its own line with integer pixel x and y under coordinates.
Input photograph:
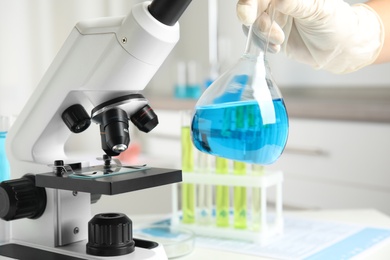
{"type": "Point", "coordinates": [326, 34]}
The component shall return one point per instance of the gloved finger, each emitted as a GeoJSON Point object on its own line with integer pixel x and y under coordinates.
{"type": "Point", "coordinates": [275, 16]}
{"type": "Point", "coordinates": [303, 9]}
{"type": "Point", "coordinates": [268, 29]}
{"type": "Point", "coordinates": [261, 41]}
{"type": "Point", "coordinates": [286, 6]}
{"type": "Point", "coordinates": [247, 11]}
{"type": "Point", "coordinates": [262, 6]}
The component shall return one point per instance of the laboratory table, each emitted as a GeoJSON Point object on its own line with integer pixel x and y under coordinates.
{"type": "Point", "coordinates": [366, 217]}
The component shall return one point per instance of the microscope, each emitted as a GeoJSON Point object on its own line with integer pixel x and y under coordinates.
{"type": "Point", "coordinates": [102, 67]}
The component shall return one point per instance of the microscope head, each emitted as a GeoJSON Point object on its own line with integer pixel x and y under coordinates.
{"type": "Point", "coordinates": [113, 117]}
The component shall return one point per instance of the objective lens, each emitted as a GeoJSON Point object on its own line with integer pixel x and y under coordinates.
{"type": "Point", "coordinates": [145, 119]}
{"type": "Point", "coordinates": [115, 131]}
{"type": "Point", "coordinates": [119, 148]}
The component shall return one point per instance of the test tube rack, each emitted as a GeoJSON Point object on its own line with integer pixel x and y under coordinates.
{"type": "Point", "coordinates": [258, 230]}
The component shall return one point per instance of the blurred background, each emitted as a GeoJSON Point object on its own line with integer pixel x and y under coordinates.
{"type": "Point", "coordinates": [337, 152]}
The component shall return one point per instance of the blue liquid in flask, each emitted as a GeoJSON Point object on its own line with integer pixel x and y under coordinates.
{"type": "Point", "coordinates": [237, 131]}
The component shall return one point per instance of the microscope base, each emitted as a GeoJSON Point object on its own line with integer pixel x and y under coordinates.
{"type": "Point", "coordinates": [143, 250]}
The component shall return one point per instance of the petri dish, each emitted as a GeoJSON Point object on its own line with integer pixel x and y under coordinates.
{"type": "Point", "coordinates": [176, 241]}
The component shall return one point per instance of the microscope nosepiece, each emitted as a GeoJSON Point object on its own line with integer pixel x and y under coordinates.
{"type": "Point", "coordinates": [114, 115]}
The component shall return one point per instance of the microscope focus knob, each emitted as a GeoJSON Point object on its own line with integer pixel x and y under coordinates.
{"type": "Point", "coordinates": [20, 198]}
{"type": "Point", "coordinates": [76, 118]}
{"type": "Point", "coordinates": [110, 234]}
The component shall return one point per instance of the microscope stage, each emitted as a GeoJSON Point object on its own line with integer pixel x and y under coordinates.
{"type": "Point", "coordinates": [122, 180]}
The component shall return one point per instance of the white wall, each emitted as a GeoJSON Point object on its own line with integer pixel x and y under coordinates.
{"type": "Point", "coordinates": [31, 34]}
{"type": "Point", "coordinates": [287, 73]}
{"type": "Point", "coordinates": [33, 31]}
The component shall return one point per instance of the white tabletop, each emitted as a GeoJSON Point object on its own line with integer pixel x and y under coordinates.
{"type": "Point", "coordinates": [367, 217]}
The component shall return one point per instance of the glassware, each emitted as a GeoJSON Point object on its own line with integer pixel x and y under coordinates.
{"type": "Point", "coordinates": [222, 194]}
{"type": "Point", "coordinates": [204, 192]}
{"type": "Point", "coordinates": [177, 241]}
{"type": "Point", "coordinates": [240, 198]}
{"type": "Point", "coordinates": [242, 115]}
{"type": "Point", "coordinates": [4, 166]}
{"type": "Point", "coordinates": [188, 189]}
{"type": "Point", "coordinates": [4, 172]}
{"type": "Point", "coordinates": [257, 170]}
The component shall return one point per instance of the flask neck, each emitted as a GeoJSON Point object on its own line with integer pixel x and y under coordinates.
{"type": "Point", "coordinates": [254, 47]}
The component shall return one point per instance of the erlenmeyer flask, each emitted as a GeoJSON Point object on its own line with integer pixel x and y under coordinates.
{"type": "Point", "coordinates": [242, 115]}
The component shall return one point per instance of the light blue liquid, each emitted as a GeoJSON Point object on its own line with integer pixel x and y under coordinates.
{"type": "Point", "coordinates": [240, 131]}
{"type": "Point", "coordinates": [4, 165]}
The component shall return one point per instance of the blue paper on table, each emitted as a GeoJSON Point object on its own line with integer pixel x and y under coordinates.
{"type": "Point", "coordinates": [352, 245]}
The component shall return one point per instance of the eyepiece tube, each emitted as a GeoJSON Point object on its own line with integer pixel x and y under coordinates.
{"type": "Point", "coordinates": [168, 12]}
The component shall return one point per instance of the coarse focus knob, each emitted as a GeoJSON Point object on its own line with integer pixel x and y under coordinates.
{"type": "Point", "coordinates": [110, 234]}
{"type": "Point", "coordinates": [20, 198]}
{"type": "Point", "coordinates": [76, 118]}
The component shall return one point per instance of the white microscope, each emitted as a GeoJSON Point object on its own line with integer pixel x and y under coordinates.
{"type": "Point", "coordinates": [102, 67]}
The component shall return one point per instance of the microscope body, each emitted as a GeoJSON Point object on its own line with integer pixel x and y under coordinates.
{"type": "Point", "coordinates": [101, 60]}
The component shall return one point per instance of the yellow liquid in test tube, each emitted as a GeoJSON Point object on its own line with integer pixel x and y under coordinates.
{"type": "Point", "coordinates": [240, 198]}
{"type": "Point", "coordinates": [222, 194]}
{"type": "Point", "coordinates": [239, 168]}
{"type": "Point", "coordinates": [204, 192]}
{"type": "Point", "coordinates": [188, 190]}
{"type": "Point", "coordinates": [257, 170]}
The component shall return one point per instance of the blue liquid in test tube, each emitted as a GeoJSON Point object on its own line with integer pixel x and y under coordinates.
{"type": "Point", "coordinates": [4, 175]}
{"type": "Point", "coordinates": [4, 165]}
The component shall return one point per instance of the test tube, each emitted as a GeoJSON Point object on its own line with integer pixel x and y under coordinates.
{"type": "Point", "coordinates": [257, 170]}
{"type": "Point", "coordinates": [5, 123]}
{"type": "Point", "coordinates": [239, 168]}
{"type": "Point", "coordinates": [240, 198]}
{"type": "Point", "coordinates": [181, 83]}
{"type": "Point", "coordinates": [222, 194]}
{"type": "Point", "coordinates": [204, 191]}
{"type": "Point", "coordinates": [193, 85]}
{"type": "Point", "coordinates": [188, 189]}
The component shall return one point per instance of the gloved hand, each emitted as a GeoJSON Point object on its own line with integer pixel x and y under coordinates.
{"type": "Point", "coordinates": [326, 34]}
